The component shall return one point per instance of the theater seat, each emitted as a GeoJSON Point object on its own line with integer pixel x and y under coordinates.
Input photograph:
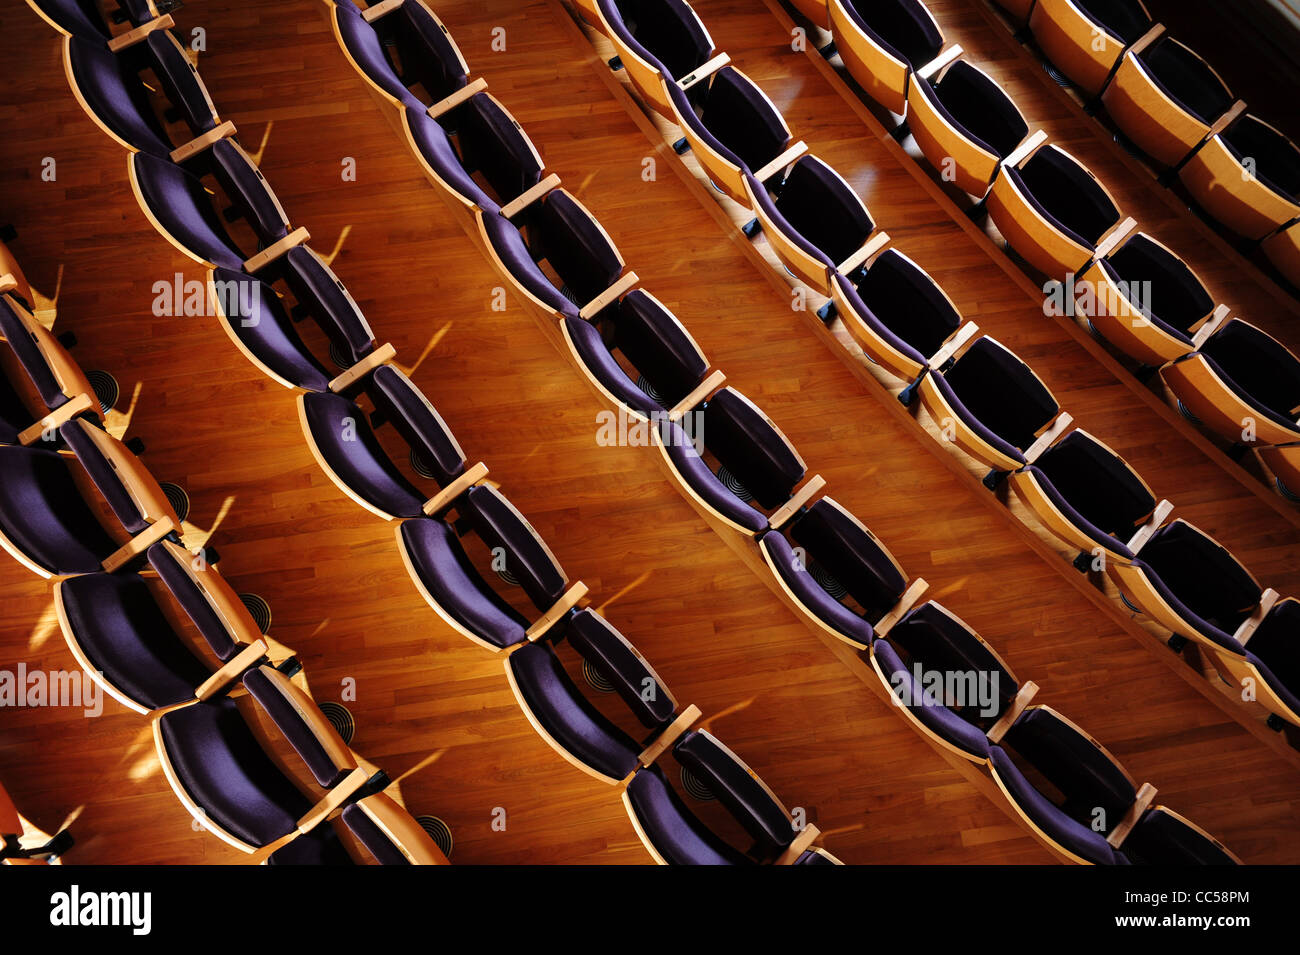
{"type": "Point", "coordinates": [179, 207]}
{"type": "Point", "coordinates": [882, 42]}
{"type": "Point", "coordinates": [1163, 837]}
{"type": "Point", "coordinates": [397, 47]}
{"type": "Point", "coordinates": [1242, 384]}
{"type": "Point", "coordinates": [657, 41]}
{"type": "Point", "coordinates": [1050, 208]}
{"type": "Point", "coordinates": [1247, 176]}
{"type": "Point", "coordinates": [669, 830]}
{"type": "Point", "coordinates": [1084, 39]}
{"type": "Point", "coordinates": [1165, 98]}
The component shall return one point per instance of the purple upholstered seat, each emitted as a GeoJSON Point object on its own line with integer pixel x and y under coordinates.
{"type": "Point", "coordinates": [427, 53]}
{"type": "Point", "coordinates": [665, 33]}
{"type": "Point", "coordinates": [733, 116]}
{"type": "Point", "coordinates": [739, 791]}
{"type": "Point", "coordinates": [902, 304]}
{"type": "Point", "coordinates": [1066, 194]}
{"type": "Point", "coordinates": [418, 422]}
{"type": "Point", "coordinates": [79, 18]}
{"type": "Point", "coordinates": [1094, 489]}
{"type": "Point", "coordinates": [376, 841]}
{"type": "Point", "coordinates": [1275, 650]}
{"type": "Point", "coordinates": [249, 192]}
{"type": "Point", "coordinates": [439, 154]}
{"type": "Point", "coordinates": [567, 716]}
{"type": "Point", "coordinates": [114, 93]}
{"type": "Point", "coordinates": [998, 396]}
{"type": "Point", "coordinates": [138, 12]}
{"type": "Point", "coordinates": [564, 234]}
{"type": "Point", "coordinates": [676, 833]}
{"type": "Point", "coordinates": [256, 316]}
{"type": "Point", "coordinates": [493, 145]}
{"type": "Point", "coordinates": [688, 463]}
{"type": "Point", "coordinates": [816, 210]}
{"type": "Point", "coordinates": [1162, 838]}
{"type": "Point", "coordinates": [658, 346]}
{"type": "Point", "coordinates": [835, 541]}
{"type": "Point", "coordinates": [366, 48]}
{"type": "Point", "coordinates": [1186, 78]}
{"type": "Point", "coordinates": [327, 300]}
{"type": "Point", "coordinates": [527, 560]}
{"type": "Point", "coordinates": [181, 83]}
{"type": "Point", "coordinates": [39, 374]}
{"type": "Point", "coordinates": [1177, 299]}
{"type": "Point", "coordinates": [615, 659]}
{"type": "Point", "coordinates": [812, 594]}
{"type": "Point", "coordinates": [1257, 368]}
{"type": "Point", "coordinates": [927, 707]}
{"type": "Point", "coordinates": [748, 445]}
{"type": "Point", "coordinates": [447, 574]}
{"type": "Point", "coordinates": [977, 107]}
{"type": "Point", "coordinates": [901, 27]}
{"type": "Point", "coordinates": [508, 244]}
{"type": "Point", "coordinates": [180, 205]}
{"type": "Point", "coordinates": [284, 712]}
{"type": "Point", "coordinates": [597, 358]}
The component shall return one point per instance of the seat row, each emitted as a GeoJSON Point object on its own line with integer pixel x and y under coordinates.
{"type": "Point", "coordinates": [79, 506]}
{"type": "Point", "coordinates": [1134, 292]}
{"type": "Point", "coordinates": [740, 471]}
{"type": "Point", "coordinates": [264, 284]}
{"type": "Point", "coordinates": [1170, 103]}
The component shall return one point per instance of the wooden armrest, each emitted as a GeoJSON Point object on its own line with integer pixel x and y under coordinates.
{"type": "Point", "coordinates": [1209, 327]}
{"type": "Point", "coordinates": [1227, 119]}
{"type": "Point", "coordinates": [954, 344]}
{"type": "Point", "coordinates": [940, 61]}
{"type": "Point", "coordinates": [1146, 39]}
{"type": "Point", "coordinates": [1251, 623]}
{"type": "Point", "coordinates": [799, 845]}
{"type": "Point", "coordinates": [705, 71]}
{"type": "Point", "coordinates": [380, 356]}
{"type": "Point", "coordinates": [1023, 698]}
{"type": "Point", "coordinates": [704, 389]}
{"type": "Point", "coordinates": [900, 609]}
{"type": "Point", "coordinates": [132, 37]}
{"type": "Point", "coordinates": [1025, 149]}
{"type": "Point", "coordinates": [526, 199]}
{"type": "Point", "coordinates": [200, 143]}
{"type": "Point", "coordinates": [1145, 796]}
{"type": "Point", "coordinates": [684, 721]}
{"type": "Point", "coordinates": [568, 600]}
{"type": "Point", "coordinates": [7, 283]}
{"type": "Point", "coordinates": [793, 154]}
{"type": "Point", "coordinates": [55, 419]}
{"type": "Point", "coordinates": [442, 500]}
{"type": "Point", "coordinates": [272, 252]}
{"type": "Point", "coordinates": [138, 544]}
{"type": "Point", "coordinates": [373, 12]}
{"type": "Point", "coordinates": [1048, 437]}
{"type": "Point", "coordinates": [1163, 510]}
{"type": "Point", "coordinates": [237, 665]}
{"type": "Point", "coordinates": [341, 793]}
{"type": "Point", "coordinates": [609, 296]}
{"type": "Point", "coordinates": [800, 497]}
{"type": "Point", "coordinates": [447, 104]}
{"type": "Point", "coordinates": [1110, 242]}
{"type": "Point", "coordinates": [869, 248]}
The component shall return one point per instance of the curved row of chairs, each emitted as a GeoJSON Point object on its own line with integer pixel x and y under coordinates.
{"type": "Point", "coordinates": [995, 408]}
{"type": "Point", "coordinates": [741, 471]}
{"type": "Point", "coordinates": [449, 518]}
{"type": "Point", "coordinates": [161, 631]}
{"type": "Point", "coordinates": [1134, 292]}
{"type": "Point", "coordinates": [1170, 103]}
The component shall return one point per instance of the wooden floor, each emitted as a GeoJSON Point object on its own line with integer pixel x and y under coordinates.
{"type": "Point", "coordinates": [434, 707]}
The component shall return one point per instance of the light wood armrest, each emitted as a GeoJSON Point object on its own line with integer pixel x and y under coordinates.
{"type": "Point", "coordinates": [448, 103]}
{"type": "Point", "coordinates": [900, 609]}
{"type": "Point", "coordinates": [7, 283]}
{"type": "Point", "coordinates": [237, 665]}
{"type": "Point", "coordinates": [1251, 623]}
{"type": "Point", "coordinates": [523, 201]}
{"type": "Point", "coordinates": [801, 497]}
{"type": "Point", "coordinates": [568, 600]}
{"type": "Point", "coordinates": [200, 143]}
{"type": "Point", "coordinates": [272, 252]}
{"type": "Point", "coordinates": [940, 61]}
{"type": "Point", "coordinates": [1025, 149]}
{"type": "Point", "coordinates": [954, 344]}
{"type": "Point", "coordinates": [55, 419]}
{"type": "Point", "coordinates": [685, 720]}
{"type": "Point", "coordinates": [1110, 242]}
{"type": "Point", "coordinates": [380, 356]}
{"type": "Point", "coordinates": [1163, 510]}
{"type": "Point", "coordinates": [132, 37]}
{"type": "Point", "coordinates": [705, 71]}
{"type": "Point", "coordinates": [138, 544]}
{"type": "Point", "coordinates": [1209, 327]}
{"type": "Point", "coordinates": [869, 248]}
{"type": "Point", "coordinates": [793, 154]}
{"type": "Point", "coordinates": [341, 793]}
{"type": "Point", "coordinates": [372, 13]}
{"type": "Point", "coordinates": [799, 846]}
{"type": "Point", "coordinates": [609, 296]}
{"type": "Point", "coordinates": [1227, 119]}
{"type": "Point", "coordinates": [708, 386]}
{"type": "Point", "coordinates": [442, 500]}
{"type": "Point", "coordinates": [1045, 440]}
{"type": "Point", "coordinates": [1146, 39]}
{"type": "Point", "coordinates": [1145, 796]}
{"type": "Point", "coordinates": [1023, 698]}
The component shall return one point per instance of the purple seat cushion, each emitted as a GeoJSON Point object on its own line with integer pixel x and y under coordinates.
{"type": "Point", "coordinates": [664, 32]}
{"type": "Point", "coordinates": [600, 361]}
{"type": "Point", "coordinates": [812, 594]}
{"type": "Point", "coordinates": [751, 449]}
{"type": "Point", "coordinates": [116, 96]}
{"type": "Point", "coordinates": [736, 119]}
{"type": "Point", "coordinates": [396, 396]}
{"type": "Point", "coordinates": [19, 340]}
{"type": "Point", "coordinates": [1071, 762]}
{"type": "Point", "coordinates": [367, 51]}
{"type": "Point", "coordinates": [43, 513]}
{"type": "Point", "coordinates": [492, 144]}
{"type": "Point", "coordinates": [687, 462]}
{"type": "Point", "coordinates": [562, 233]}
{"type": "Point", "coordinates": [905, 304]}
{"type": "Point", "coordinates": [193, 602]}
{"type": "Point", "coordinates": [1066, 195]}
{"type": "Point", "coordinates": [599, 645]}
{"type": "Point", "coordinates": [248, 191]}
{"type": "Point", "coordinates": [437, 150]}
{"type": "Point", "coordinates": [258, 318]}
{"type": "Point", "coordinates": [450, 577]}
{"type": "Point", "coordinates": [1203, 577]}
{"type": "Point", "coordinates": [426, 51]}
{"type": "Point", "coordinates": [372, 837]}
{"type": "Point", "coordinates": [81, 18]}
{"type": "Point", "coordinates": [857, 562]}
{"type": "Point", "coordinates": [743, 795]}
{"type": "Point", "coordinates": [677, 834]}
{"type": "Point", "coordinates": [1178, 300]}
{"type": "Point", "coordinates": [937, 642]}
{"type": "Point", "coordinates": [527, 560]}
{"type": "Point", "coordinates": [1000, 393]}
{"type": "Point", "coordinates": [317, 288]}
{"type": "Point", "coordinates": [978, 107]}
{"type": "Point", "coordinates": [819, 211]}
{"type": "Point", "coordinates": [318, 846]}
{"type": "Point", "coordinates": [658, 346]}
{"type": "Point", "coordinates": [180, 203]}
{"type": "Point", "coordinates": [222, 766]}
{"type": "Point", "coordinates": [567, 716]}
{"type": "Point", "coordinates": [513, 252]}
{"type": "Point", "coordinates": [929, 710]}
{"type": "Point", "coordinates": [180, 82]}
